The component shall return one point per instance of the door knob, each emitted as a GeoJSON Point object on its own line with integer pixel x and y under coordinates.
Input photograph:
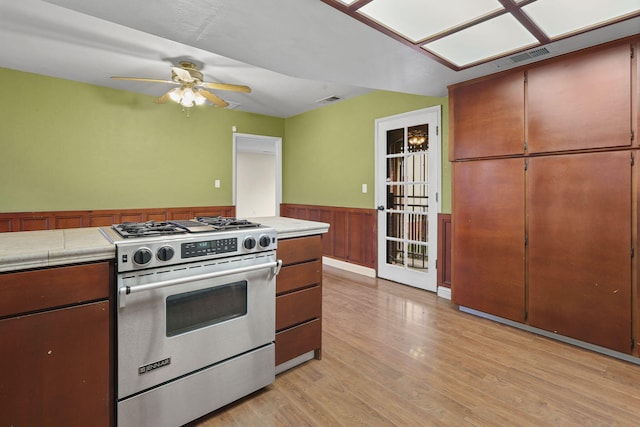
{"type": "Point", "coordinates": [380, 208]}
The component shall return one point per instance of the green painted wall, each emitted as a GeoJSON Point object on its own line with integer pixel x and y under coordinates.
{"type": "Point", "coordinates": [330, 152]}
{"type": "Point", "coordinates": [66, 145]}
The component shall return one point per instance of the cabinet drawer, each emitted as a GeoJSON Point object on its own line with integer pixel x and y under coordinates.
{"type": "Point", "coordinates": [54, 287]}
{"type": "Point", "coordinates": [298, 307]}
{"type": "Point", "coordinates": [297, 341]}
{"type": "Point", "coordinates": [294, 251]}
{"type": "Point", "coordinates": [298, 276]}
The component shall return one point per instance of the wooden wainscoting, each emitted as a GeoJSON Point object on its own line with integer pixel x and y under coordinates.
{"type": "Point", "coordinates": [352, 235]}
{"type": "Point", "coordinates": [444, 250]}
{"type": "Point", "coordinates": [30, 221]}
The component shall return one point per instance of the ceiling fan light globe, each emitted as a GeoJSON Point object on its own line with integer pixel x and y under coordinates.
{"type": "Point", "coordinates": [188, 96]}
{"type": "Point", "coordinates": [175, 94]}
{"type": "Point", "coordinates": [199, 99]}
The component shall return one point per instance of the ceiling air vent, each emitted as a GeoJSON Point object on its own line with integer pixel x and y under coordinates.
{"type": "Point", "coordinates": [328, 99]}
{"type": "Point", "coordinates": [528, 55]}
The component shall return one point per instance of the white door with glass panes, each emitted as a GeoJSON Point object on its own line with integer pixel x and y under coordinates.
{"type": "Point", "coordinates": [407, 196]}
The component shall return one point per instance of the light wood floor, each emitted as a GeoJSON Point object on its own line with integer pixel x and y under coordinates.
{"type": "Point", "coordinates": [394, 355]}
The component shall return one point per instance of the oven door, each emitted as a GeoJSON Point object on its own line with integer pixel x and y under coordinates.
{"type": "Point", "coordinates": [174, 321]}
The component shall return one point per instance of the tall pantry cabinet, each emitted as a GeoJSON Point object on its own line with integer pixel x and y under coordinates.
{"type": "Point", "coordinates": [545, 195]}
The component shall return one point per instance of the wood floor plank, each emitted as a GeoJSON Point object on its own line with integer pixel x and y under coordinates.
{"type": "Point", "coordinates": [398, 356]}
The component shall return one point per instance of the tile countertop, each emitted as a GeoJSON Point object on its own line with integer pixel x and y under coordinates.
{"type": "Point", "coordinates": [290, 227]}
{"type": "Point", "coordinates": [34, 249]}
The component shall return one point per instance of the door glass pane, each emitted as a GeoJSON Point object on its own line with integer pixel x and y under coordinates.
{"type": "Point", "coordinates": [418, 229]}
{"type": "Point", "coordinates": [417, 256]}
{"type": "Point", "coordinates": [395, 141]}
{"type": "Point", "coordinates": [395, 252]}
{"type": "Point", "coordinates": [395, 196]}
{"type": "Point", "coordinates": [418, 167]}
{"type": "Point", "coordinates": [407, 179]}
{"type": "Point", "coordinates": [193, 310]}
{"type": "Point", "coordinates": [417, 198]}
{"type": "Point", "coordinates": [395, 171]}
{"type": "Point", "coordinates": [418, 138]}
{"type": "Point", "coordinates": [395, 225]}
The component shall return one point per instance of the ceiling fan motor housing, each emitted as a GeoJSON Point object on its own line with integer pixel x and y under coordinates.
{"type": "Point", "coordinates": [189, 67]}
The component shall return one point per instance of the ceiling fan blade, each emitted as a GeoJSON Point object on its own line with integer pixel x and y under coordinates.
{"type": "Point", "coordinates": [163, 99]}
{"type": "Point", "coordinates": [214, 98]}
{"type": "Point", "coordinates": [183, 75]}
{"type": "Point", "coordinates": [141, 79]}
{"type": "Point", "coordinates": [226, 86]}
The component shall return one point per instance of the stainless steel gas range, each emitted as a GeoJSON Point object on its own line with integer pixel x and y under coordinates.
{"type": "Point", "coordinates": [195, 316]}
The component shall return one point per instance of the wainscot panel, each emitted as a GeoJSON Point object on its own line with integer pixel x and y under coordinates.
{"type": "Point", "coordinates": [352, 235]}
{"type": "Point", "coordinates": [444, 250]}
{"type": "Point", "coordinates": [56, 220]}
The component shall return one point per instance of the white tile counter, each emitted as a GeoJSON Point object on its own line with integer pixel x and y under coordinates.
{"type": "Point", "coordinates": [291, 227]}
{"type": "Point", "coordinates": [33, 249]}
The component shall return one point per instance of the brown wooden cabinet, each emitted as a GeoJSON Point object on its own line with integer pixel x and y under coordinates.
{"type": "Point", "coordinates": [488, 230]}
{"type": "Point", "coordinates": [547, 236]}
{"type": "Point", "coordinates": [488, 117]}
{"type": "Point", "coordinates": [580, 246]}
{"type": "Point", "coordinates": [55, 363]}
{"type": "Point", "coordinates": [580, 102]}
{"type": "Point", "coordinates": [299, 298]}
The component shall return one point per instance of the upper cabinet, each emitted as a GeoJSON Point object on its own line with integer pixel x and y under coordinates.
{"type": "Point", "coordinates": [580, 102]}
{"type": "Point", "coordinates": [488, 117]}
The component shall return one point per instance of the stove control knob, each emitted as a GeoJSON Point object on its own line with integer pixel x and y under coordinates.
{"type": "Point", "coordinates": [265, 241]}
{"type": "Point", "coordinates": [249, 243]}
{"type": "Point", "coordinates": [142, 256]}
{"type": "Point", "coordinates": [165, 253]}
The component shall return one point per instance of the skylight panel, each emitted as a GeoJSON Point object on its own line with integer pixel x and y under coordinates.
{"type": "Point", "coordinates": [419, 19]}
{"type": "Point", "coordinates": [465, 33]}
{"type": "Point", "coordinates": [560, 17]}
{"type": "Point", "coordinates": [492, 38]}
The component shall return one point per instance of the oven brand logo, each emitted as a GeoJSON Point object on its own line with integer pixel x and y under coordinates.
{"type": "Point", "coordinates": [155, 365]}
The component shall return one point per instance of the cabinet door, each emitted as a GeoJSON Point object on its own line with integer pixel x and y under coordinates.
{"type": "Point", "coordinates": [488, 117]}
{"type": "Point", "coordinates": [581, 102]}
{"type": "Point", "coordinates": [580, 247]}
{"type": "Point", "coordinates": [488, 236]}
{"type": "Point", "coordinates": [54, 368]}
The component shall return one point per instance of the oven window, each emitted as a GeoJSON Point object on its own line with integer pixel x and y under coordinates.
{"type": "Point", "coordinates": [197, 309]}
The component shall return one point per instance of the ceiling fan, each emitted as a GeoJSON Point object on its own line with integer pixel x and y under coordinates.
{"type": "Point", "coordinates": [192, 89]}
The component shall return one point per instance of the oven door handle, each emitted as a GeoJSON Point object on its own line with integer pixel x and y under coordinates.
{"type": "Point", "coordinates": [126, 290]}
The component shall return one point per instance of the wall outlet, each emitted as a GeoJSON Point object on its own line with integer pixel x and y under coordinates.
{"type": "Point", "coordinates": [364, 188]}
{"type": "Point", "coordinates": [217, 183]}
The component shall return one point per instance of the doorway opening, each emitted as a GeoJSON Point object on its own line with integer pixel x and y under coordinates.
{"type": "Point", "coordinates": [257, 175]}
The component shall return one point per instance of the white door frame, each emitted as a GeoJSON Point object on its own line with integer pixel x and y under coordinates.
{"type": "Point", "coordinates": [259, 143]}
{"type": "Point", "coordinates": [431, 115]}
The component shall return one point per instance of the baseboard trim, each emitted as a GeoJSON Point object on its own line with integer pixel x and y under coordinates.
{"type": "Point", "coordinates": [294, 362]}
{"type": "Point", "coordinates": [354, 268]}
{"type": "Point", "coordinates": [444, 292]}
{"type": "Point", "coordinates": [562, 338]}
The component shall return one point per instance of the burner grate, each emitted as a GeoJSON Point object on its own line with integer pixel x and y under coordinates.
{"type": "Point", "coordinates": [224, 223]}
{"type": "Point", "coordinates": [146, 229]}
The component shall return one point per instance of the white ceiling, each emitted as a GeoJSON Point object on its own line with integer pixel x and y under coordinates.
{"type": "Point", "coordinates": [290, 52]}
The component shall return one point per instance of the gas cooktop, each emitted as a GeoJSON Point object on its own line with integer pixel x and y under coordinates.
{"type": "Point", "coordinates": [129, 230]}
